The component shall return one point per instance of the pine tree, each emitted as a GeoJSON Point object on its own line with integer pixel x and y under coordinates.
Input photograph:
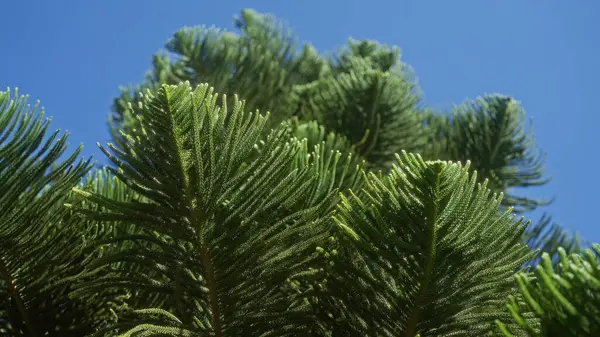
{"type": "Point", "coordinates": [314, 196]}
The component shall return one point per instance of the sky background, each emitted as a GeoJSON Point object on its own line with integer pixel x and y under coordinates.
{"type": "Point", "coordinates": [73, 55]}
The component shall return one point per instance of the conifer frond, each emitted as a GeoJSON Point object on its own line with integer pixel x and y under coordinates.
{"type": "Point", "coordinates": [375, 110]}
{"type": "Point", "coordinates": [321, 141]}
{"type": "Point", "coordinates": [431, 253]}
{"type": "Point", "coordinates": [220, 240]}
{"type": "Point", "coordinates": [260, 64]}
{"type": "Point", "coordinates": [379, 57]}
{"type": "Point", "coordinates": [315, 134]}
{"type": "Point", "coordinates": [40, 241]}
{"type": "Point", "coordinates": [105, 238]}
{"type": "Point", "coordinates": [489, 131]}
{"type": "Point", "coordinates": [563, 298]}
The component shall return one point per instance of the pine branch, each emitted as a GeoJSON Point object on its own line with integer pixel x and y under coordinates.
{"type": "Point", "coordinates": [260, 63]}
{"type": "Point", "coordinates": [489, 132]}
{"type": "Point", "coordinates": [41, 241]}
{"type": "Point", "coordinates": [226, 234]}
{"type": "Point", "coordinates": [562, 298]}
{"type": "Point", "coordinates": [424, 251]}
{"type": "Point", "coordinates": [375, 110]}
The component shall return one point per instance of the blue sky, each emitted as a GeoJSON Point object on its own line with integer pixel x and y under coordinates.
{"type": "Point", "coordinates": [73, 55]}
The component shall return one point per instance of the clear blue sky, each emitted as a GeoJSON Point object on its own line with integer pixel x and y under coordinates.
{"type": "Point", "coordinates": [73, 55]}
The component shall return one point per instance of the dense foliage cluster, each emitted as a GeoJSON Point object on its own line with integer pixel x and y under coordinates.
{"type": "Point", "coordinates": [347, 209]}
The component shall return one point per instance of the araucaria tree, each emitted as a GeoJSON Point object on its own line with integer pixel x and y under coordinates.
{"type": "Point", "coordinates": [347, 208]}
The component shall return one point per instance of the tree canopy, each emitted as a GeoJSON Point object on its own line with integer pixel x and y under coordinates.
{"type": "Point", "coordinates": [258, 188]}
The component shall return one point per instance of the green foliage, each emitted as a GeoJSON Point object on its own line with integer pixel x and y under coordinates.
{"type": "Point", "coordinates": [374, 108]}
{"type": "Point", "coordinates": [213, 219]}
{"type": "Point", "coordinates": [41, 242]}
{"type": "Point", "coordinates": [363, 93]}
{"type": "Point", "coordinates": [262, 65]}
{"type": "Point", "coordinates": [564, 298]}
{"type": "Point", "coordinates": [426, 251]}
{"type": "Point", "coordinates": [489, 132]}
{"type": "Point", "coordinates": [228, 238]}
